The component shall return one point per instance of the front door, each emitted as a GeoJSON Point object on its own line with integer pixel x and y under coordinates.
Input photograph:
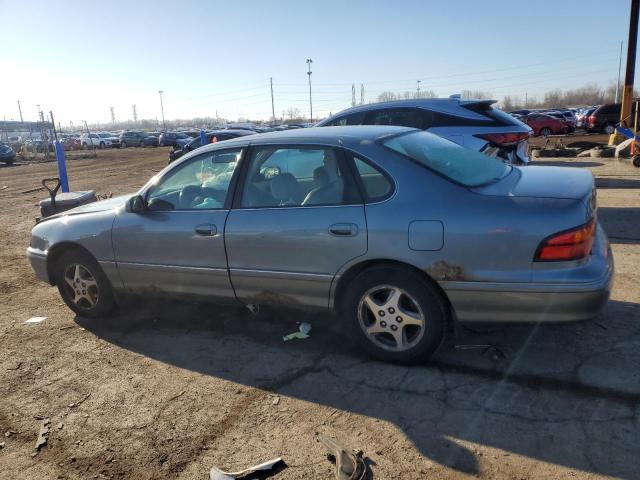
{"type": "Point", "coordinates": [298, 219]}
{"type": "Point", "coordinates": [176, 246]}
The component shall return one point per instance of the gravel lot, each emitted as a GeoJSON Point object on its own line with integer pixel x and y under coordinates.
{"type": "Point", "coordinates": [172, 389]}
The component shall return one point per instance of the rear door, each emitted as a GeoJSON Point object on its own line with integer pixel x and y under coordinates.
{"type": "Point", "coordinates": [297, 218]}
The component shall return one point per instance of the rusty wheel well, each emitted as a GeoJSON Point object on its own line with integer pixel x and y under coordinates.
{"type": "Point", "coordinates": [355, 270]}
{"type": "Point", "coordinates": [56, 252]}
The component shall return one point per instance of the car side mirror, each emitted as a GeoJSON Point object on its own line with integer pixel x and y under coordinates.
{"type": "Point", "coordinates": [136, 204]}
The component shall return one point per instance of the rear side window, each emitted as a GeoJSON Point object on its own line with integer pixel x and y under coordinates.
{"type": "Point", "coordinates": [352, 119]}
{"type": "Point", "coordinates": [461, 165]}
{"type": "Point", "coordinates": [375, 185]}
{"type": "Point", "coordinates": [401, 117]}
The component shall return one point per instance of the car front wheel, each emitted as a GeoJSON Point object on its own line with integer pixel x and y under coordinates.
{"type": "Point", "coordinates": [545, 132]}
{"type": "Point", "coordinates": [394, 314]}
{"type": "Point", "coordinates": [83, 285]}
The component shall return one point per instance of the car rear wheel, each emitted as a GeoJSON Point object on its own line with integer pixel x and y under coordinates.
{"type": "Point", "coordinates": [609, 129]}
{"type": "Point", "coordinates": [545, 132]}
{"type": "Point", "coordinates": [83, 285]}
{"type": "Point", "coordinates": [394, 314]}
{"type": "Point", "coordinates": [101, 145]}
{"type": "Point", "coordinates": [123, 144]}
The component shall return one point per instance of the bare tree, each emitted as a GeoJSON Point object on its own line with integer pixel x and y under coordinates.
{"type": "Point", "coordinates": [293, 112]}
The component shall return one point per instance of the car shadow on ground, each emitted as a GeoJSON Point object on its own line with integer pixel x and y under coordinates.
{"type": "Point", "coordinates": [564, 394]}
{"type": "Point", "coordinates": [569, 163]}
{"type": "Point", "coordinates": [622, 224]}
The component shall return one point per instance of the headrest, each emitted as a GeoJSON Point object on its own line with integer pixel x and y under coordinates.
{"type": "Point", "coordinates": [284, 186]}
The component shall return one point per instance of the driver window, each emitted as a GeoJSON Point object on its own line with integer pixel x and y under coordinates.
{"type": "Point", "coordinates": [201, 183]}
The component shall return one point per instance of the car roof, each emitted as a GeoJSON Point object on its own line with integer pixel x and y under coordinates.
{"type": "Point", "coordinates": [316, 135]}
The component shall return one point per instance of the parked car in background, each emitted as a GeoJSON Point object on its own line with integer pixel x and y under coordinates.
{"type": "Point", "coordinates": [545, 125]}
{"type": "Point", "coordinates": [169, 139]}
{"type": "Point", "coordinates": [523, 111]}
{"type": "Point", "coordinates": [151, 140]}
{"type": "Point", "coordinates": [211, 137]}
{"type": "Point", "coordinates": [582, 116]}
{"type": "Point", "coordinates": [605, 118]}
{"type": "Point", "coordinates": [136, 138]}
{"type": "Point", "coordinates": [71, 143]}
{"type": "Point", "coordinates": [93, 140]}
{"type": "Point", "coordinates": [398, 231]}
{"type": "Point", "coordinates": [476, 124]}
{"type": "Point", "coordinates": [565, 116]}
{"type": "Point", "coordinates": [7, 154]}
{"type": "Point", "coordinates": [110, 140]}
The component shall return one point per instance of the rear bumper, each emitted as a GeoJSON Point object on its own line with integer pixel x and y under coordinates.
{"type": "Point", "coordinates": [538, 302]}
{"type": "Point", "coordinates": [38, 261]}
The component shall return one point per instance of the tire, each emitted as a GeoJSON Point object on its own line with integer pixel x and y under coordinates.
{"type": "Point", "coordinates": [609, 129]}
{"type": "Point", "coordinates": [101, 145]}
{"type": "Point", "coordinates": [83, 285]}
{"type": "Point", "coordinates": [123, 144]}
{"type": "Point", "coordinates": [405, 301]}
{"type": "Point", "coordinates": [85, 146]}
{"type": "Point", "coordinates": [636, 161]}
{"type": "Point", "coordinates": [545, 131]}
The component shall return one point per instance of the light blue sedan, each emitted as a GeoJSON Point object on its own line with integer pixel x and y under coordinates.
{"type": "Point", "coordinates": [399, 231]}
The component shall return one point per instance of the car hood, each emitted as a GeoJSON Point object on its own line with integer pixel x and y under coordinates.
{"type": "Point", "coordinates": [543, 182]}
{"type": "Point", "coordinates": [99, 206]}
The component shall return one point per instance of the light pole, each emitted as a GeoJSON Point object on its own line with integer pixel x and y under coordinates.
{"type": "Point", "coordinates": [164, 125]}
{"type": "Point", "coordinates": [309, 62]}
{"type": "Point", "coordinates": [418, 90]}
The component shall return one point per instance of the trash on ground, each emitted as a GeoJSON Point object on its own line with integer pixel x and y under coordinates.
{"type": "Point", "coordinates": [75, 404]}
{"type": "Point", "coordinates": [43, 435]}
{"type": "Point", "coordinates": [67, 327]}
{"type": "Point", "coordinates": [8, 433]}
{"type": "Point", "coordinates": [15, 367]}
{"type": "Point", "coordinates": [2, 444]}
{"type": "Point", "coordinates": [178, 395]}
{"type": "Point", "coordinates": [276, 400]}
{"type": "Point", "coordinates": [349, 464]}
{"type": "Point", "coordinates": [60, 426]}
{"type": "Point", "coordinates": [35, 320]}
{"type": "Point", "coordinates": [303, 332]}
{"type": "Point", "coordinates": [216, 474]}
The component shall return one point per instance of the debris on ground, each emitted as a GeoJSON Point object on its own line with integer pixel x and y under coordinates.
{"type": "Point", "coordinates": [67, 327]}
{"type": "Point", "coordinates": [216, 474]}
{"type": "Point", "coordinates": [15, 367]}
{"type": "Point", "coordinates": [349, 464]}
{"type": "Point", "coordinates": [35, 320]}
{"type": "Point", "coordinates": [2, 445]}
{"type": "Point", "coordinates": [178, 395]}
{"type": "Point", "coordinates": [303, 332]}
{"type": "Point", "coordinates": [8, 433]}
{"type": "Point", "coordinates": [43, 435]}
{"type": "Point", "coordinates": [79, 402]}
{"type": "Point", "coordinates": [60, 426]}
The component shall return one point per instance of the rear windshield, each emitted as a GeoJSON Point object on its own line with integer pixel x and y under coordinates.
{"type": "Point", "coordinates": [463, 166]}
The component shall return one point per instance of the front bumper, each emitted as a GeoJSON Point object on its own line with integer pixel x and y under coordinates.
{"type": "Point", "coordinates": [38, 261]}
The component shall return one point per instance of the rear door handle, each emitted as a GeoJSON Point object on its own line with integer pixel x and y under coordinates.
{"type": "Point", "coordinates": [344, 229]}
{"type": "Point", "coordinates": [206, 229]}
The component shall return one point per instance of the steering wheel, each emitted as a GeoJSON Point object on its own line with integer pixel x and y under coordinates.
{"type": "Point", "coordinates": [188, 195]}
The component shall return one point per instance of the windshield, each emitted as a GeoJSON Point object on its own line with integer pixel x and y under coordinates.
{"type": "Point", "coordinates": [464, 166]}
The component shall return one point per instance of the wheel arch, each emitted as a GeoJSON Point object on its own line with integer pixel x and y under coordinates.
{"type": "Point", "coordinates": [56, 251]}
{"type": "Point", "coordinates": [355, 270]}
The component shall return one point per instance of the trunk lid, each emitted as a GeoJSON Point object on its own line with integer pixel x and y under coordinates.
{"type": "Point", "coordinates": [545, 182]}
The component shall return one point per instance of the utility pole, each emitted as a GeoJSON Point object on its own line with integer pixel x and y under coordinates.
{"type": "Point", "coordinates": [361, 93]}
{"type": "Point", "coordinates": [20, 110]}
{"type": "Point", "coordinates": [273, 108]}
{"type": "Point", "coordinates": [113, 115]}
{"type": "Point", "coordinates": [418, 89]}
{"type": "Point", "coordinates": [135, 114]}
{"type": "Point", "coordinates": [619, 68]}
{"type": "Point", "coordinates": [526, 98]}
{"type": "Point", "coordinates": [627, 90]}
{"type": "Point", "coordinates": [309, 62]}
{"type": "Point", "coordinates": [353, 94]}
{"type": "Point", "coordinates": [164, 125]}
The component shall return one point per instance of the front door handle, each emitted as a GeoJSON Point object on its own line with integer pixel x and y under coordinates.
{"type": "Point", "coordinates": [344, 229]}
{"type": "Point", "coordinates": [206, 229]}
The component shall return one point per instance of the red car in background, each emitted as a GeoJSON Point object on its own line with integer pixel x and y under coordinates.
{"type": "Point", "coordinates": [544, 124]}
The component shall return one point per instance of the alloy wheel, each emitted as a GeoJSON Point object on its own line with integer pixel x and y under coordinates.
{"type": "Point", "coordinates": [81, 286]}
{"type": "Point", "coordinates": [391, 318]}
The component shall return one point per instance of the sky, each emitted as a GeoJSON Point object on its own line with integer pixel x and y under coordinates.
{"type": "Point", "coordinates": [78, 58]}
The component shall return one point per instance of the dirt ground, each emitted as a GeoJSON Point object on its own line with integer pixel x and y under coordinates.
{"type": "Point", "coordinates": [167, 390]}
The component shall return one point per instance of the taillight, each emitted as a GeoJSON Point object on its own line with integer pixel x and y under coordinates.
{"type": "Point", "coordinates": [591, 119]}
{"type": "Point", "coordinates": [571, 244]}
{"type": "Point", "coordinates": [504, 139]}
